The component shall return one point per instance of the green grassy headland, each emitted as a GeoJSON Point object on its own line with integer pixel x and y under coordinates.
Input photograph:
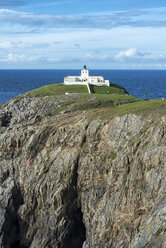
{"type": "Point", "coordinates": [60, 89]}
{"type": "Point", "coordinates": [105, 101]}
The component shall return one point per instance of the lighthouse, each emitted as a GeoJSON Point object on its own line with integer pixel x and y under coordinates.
{"type": "Point", "coordinates": [85, 79]}
{"type": "Point", "coordinates": [84, 74]}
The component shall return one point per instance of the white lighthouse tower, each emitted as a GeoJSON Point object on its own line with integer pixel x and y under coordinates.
{"type": "Point", "coordinates": [84, 74]}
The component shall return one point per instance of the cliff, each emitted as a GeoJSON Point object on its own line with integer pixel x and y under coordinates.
{"type": "Point", "coordinates": [74, 179]}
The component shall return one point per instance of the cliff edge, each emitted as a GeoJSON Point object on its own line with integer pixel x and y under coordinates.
{"type": "Point", "coordinates": [72, 179]}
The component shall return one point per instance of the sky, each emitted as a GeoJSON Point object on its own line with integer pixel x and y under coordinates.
{"type": "Point", "coordinates": [66, 34]}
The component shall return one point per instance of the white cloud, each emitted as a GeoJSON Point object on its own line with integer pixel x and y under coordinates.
{"type": "Point", "coordinates": [52, 60]}
{"type": "Point", "coordinates": [6, 45]}
{"type": "Point", "coordinates": [129, 53]}
{"type": "Point", "coordinates": [149, 65]}
{"type": "Point", "coordinates": [13, 58]}
{"type": "Point", "coordinates": [134, 54]}
{"type": "Point", "coordinates": [17, 58]}
{"type": "Point", "coordinates": [105, 20]}
{"type": "Point", "coordinates": [58, 50]}
{"type": "Point", "coordinates": [89, 56]}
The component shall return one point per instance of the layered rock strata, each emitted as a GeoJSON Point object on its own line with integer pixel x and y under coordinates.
{"type": "Point", "coordinates": [69, 182]}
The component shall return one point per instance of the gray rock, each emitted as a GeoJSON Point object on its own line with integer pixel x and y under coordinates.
{"type": "Point", "coordinates": [67, 181]}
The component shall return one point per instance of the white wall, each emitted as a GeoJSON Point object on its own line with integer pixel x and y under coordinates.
{"type": "Point", "coordinates": [101, 84]}
{"type": "Point", "coordinates": [94, 81]}
{"type": "Point", "coordinates": [74, 83]}
{"type": "Point", "coordinates": [84, 74]}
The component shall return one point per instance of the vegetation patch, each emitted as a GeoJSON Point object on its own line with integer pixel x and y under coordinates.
{"type": "Point", "coordinates": [112, 156]}
{"type": "Point", "coordinates": [113, 89]}
{"type": "Point", "coordinates": [105, 101]}
{"type": "Point", "coordinates": [156, 106]}
{"type": "Point", "coordinates": [61, 89]}
{"type": "Point", "coordinates": [58, 89]}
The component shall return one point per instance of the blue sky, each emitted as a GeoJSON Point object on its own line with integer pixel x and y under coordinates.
{"type": "Point", "coordinates": [110, 34]}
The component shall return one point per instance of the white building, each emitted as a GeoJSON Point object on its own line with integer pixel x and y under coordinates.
{"type": "Point", "coordinates": [85, 79]}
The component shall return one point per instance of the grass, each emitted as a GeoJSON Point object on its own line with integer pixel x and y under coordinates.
{"type": "Point", "coordinates": [155, 107]}
{"type": "Point", "coordinates": [142, 106]}
{"type": "Point", "coordinates": [105, 101]}
{"type": "Point", "coordinates": [58, 89]}
{"type": "Point", "coordinates": [94, 101]}
{"type": "Point", "coordinates": [114, 93]}
{"type": "Point", "coordinates": [113, 89]}
{"type": "Point", "coordinates": [117, 98]}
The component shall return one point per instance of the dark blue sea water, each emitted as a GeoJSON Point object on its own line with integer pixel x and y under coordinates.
{"type": "Point", "coordinates": [140, 83]}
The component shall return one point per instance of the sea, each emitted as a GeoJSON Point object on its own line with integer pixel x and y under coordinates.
{"type": "Point", "coordinates": [145, 84]}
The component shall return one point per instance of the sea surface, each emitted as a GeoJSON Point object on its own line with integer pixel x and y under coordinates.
{"type": "Point", "coordinates": [145, 84]}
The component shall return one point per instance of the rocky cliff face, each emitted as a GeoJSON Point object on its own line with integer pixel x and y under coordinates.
{"type": "Point", "coordinates": [69, 182]}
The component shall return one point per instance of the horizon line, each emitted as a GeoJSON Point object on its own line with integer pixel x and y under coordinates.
{"type": "Point", "coordinates": [139, 69]}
